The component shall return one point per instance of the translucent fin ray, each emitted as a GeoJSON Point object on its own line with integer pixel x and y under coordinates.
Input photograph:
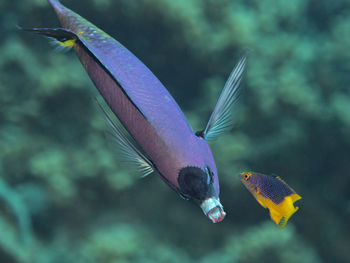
{"type": "Point", "coordinates": [127, 150]}
{"type": "Point", "coordinates": [221, 119]}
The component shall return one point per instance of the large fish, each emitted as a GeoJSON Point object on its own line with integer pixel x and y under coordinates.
{"type": "Point", "coordinates": [165, 142]}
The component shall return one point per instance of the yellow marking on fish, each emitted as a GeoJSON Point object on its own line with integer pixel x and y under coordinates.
{"type": "Point", "coordinates": [68, 43]}
{"type": "Point", "coordinates": [280, 213]}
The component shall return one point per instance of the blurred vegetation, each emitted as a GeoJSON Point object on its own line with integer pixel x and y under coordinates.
{"type": "Point", "coordinates": [63, 196]}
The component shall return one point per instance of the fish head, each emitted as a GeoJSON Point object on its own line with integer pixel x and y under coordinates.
{"type": "Point", "coordinates": [251, 181]}
{"type": "Point", "coordinates": [198, 185]}
{"type": "Point", "coordinates": [255, 185]}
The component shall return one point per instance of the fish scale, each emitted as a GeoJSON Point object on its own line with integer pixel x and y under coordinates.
{"type": "Point", "coordinates": [273, 188]}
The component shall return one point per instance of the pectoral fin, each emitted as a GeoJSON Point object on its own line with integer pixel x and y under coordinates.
{"type": "Point", "coordinates": [126, 148]}
{"type": "Point", "coordinates": [221, 119]}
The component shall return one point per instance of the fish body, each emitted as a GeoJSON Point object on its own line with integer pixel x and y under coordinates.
{"type": "Point", "coordinates": [272, 193]}
{"type": "Point", "coordinates": [149, 113]}
{"type": "Point", "coordinates": [139, 100]}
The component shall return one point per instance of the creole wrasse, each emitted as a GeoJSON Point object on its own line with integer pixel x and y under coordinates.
{"type": "Point", "coordinates": [272, 193]}
{"type": "Point", "coordinates": [162, 139]}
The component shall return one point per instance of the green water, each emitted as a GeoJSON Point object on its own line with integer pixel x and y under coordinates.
{"type": "Point", "coordinates": [65, 198]}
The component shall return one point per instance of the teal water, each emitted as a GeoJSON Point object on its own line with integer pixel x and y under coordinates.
{"type": "Point", "coordinates": [65, 198]}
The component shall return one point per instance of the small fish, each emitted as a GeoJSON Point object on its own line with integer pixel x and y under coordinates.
{"type": "Point", "coordinates": [272, 193]}
{"type": "Point", "coordinates": [163, 141]}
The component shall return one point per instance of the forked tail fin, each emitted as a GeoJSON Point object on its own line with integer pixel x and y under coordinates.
{"type": "Point", "coordinates": [64, 38]}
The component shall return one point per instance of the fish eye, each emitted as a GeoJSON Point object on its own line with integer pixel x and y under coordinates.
{"type": "Point", "coordinates": [246, 177]}
{"type": "Point", "coordinates": [210, 174]}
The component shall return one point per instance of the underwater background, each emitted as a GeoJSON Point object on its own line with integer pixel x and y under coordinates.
{"type": "Point", "coordinates": [65, 198]}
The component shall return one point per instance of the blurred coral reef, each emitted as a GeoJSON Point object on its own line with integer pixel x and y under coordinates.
{"type": "Point", "coordinates": [65, 198]}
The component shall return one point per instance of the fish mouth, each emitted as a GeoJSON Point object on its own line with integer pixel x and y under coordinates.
{"type": "Point", "coordinates": [213, 209]}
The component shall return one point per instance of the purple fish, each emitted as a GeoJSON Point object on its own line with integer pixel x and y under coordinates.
{"type": "Point", "coordinates": [163, 142]}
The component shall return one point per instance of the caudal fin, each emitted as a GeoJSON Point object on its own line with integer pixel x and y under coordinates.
{"type": "Point", "coordinates": [63, 37]}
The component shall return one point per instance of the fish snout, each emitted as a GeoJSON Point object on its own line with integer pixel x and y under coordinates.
{"type": "Point", "coordinates": [213, 209]}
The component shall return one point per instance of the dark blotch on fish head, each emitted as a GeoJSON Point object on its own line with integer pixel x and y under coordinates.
{"type": "Point", "coordinates": [198, 185]}
{"type": "Point", "coordinates": [195, 184]}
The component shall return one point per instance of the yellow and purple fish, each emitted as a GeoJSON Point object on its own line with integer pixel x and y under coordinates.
{"type": "Point", "coordinates": [163, 141]}
{"type": "Point", "coordinates": [272, 193]}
